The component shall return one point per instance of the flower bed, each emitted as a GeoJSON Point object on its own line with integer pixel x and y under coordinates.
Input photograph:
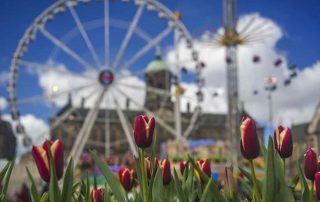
{"type": "Point", "coordinates": [155, 180]}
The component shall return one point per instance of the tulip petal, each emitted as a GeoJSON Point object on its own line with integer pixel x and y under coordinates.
{"type": "Point", "coordinates": [310, 163]}
{"type": "Point", "coordinates": [41, 158]}
{"type": "Point", "coordinates": [249, 145]}
{"type": "Point", "coordinates": [57, 153]}
{"type": "Point", "coordinates": [286, 145]}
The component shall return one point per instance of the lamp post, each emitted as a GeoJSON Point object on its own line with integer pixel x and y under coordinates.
{"type": "Point", "coordinates": [271, 85]}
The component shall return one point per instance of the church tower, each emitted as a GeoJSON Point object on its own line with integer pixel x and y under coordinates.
{"type": "Point", "coordinates": [157, 76]}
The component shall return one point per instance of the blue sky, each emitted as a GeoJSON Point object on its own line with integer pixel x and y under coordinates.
{"type": "Point", "coordinates": [299, 20]}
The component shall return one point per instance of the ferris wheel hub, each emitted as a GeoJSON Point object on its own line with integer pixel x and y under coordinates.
{"type": "Point", "coordinates": [106, 77]}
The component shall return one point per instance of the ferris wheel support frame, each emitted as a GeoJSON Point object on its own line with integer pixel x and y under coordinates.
{"type": "Point", "coordinates": [86, 129]}
{"type": "Point", "coordinates": [232, 80]}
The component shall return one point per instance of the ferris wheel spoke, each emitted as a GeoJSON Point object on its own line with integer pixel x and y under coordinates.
{"type": "Point", "coordinates": [261, 37]}
{"type": "Point", "coordinates": [86, 128]}
{"type": "Point", "coordinates": [128, 36]}
{"type": "Point", "coordinates": [45, 68]}
{"type": "Point", "coordinates": [42, 97]}
{"type": "Point", "coordinates": [126, 128]}
{"type": "Point", "coordinates": [149, 113]}
{"type": "Point", "coordinates": [148, 88]}
{"type": "Point", "coordinates": [192, 122]}
{"type": "Point", "coordinates": [247, 25]}
{"type": "Point", "coordinates": [106, 12]}
{"type": "Point", "coordinates": [66, 49]}
{"type": "Point", "coordinates": [57, 122]}
{"type": "Point", "coordinates": [154, 90]}
{"type": "Point", "coordinates": [107, 129]}
{"type": "Point", "coordinates": [84, 35]}
{"type": "Point", "coordinates": [146, 48]}
{"type": "Point", "coordinates": [255, 29]}
{"type": "Point", "coordinates": [128, 74]}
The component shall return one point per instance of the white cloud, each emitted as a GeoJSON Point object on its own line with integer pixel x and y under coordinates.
{"type": "Point", "coordinates": [4, 76]}
{"type": "Point", "coordinates": [3, 103]}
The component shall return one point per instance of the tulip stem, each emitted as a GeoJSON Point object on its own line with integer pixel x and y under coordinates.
{"type": "Point", "coordinates": [312, 191]}
{"type": "Point", "coordinates": [254, 179]}
{"type": "Point", "coordinates": [144, 175]}
{"type": "Point", "coordinates": [284, 167]}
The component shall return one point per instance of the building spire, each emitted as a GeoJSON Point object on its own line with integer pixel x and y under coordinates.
{"type": "Point", "coordinates": [158, 53]}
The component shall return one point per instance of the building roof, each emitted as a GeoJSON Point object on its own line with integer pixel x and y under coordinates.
{"type": "Point", "coordinates": [157, 64]}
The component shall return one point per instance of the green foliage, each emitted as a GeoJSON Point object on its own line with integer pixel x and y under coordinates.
{"type": "Point", "coordinates": [305, 191]}
{"type": "Point", "coordinates": [192, 185]}
{"type": "Point", "coordinates": [35, 196]}
{"type": "Point", "coordinates": [275, 187]}
{"type": "Point", "coordinates": [5, 178]}
{"type": "Point", "coordinates": [111, 179]}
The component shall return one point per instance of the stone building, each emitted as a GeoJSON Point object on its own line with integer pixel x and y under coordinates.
{"type": "Point", "coordinates": [7, 141]}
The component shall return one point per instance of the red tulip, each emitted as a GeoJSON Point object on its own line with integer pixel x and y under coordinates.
{"type": "Point", "coordinates": [148, 166]}
{"type": "Point", "coordinates": [183, 166]}
{"type": "Point", "coordinates": [143, 131]}
{"type": "Point", "coordinates": [310, 163]}
{"type": "Point", "coordinates": [249, 144]}
{"type": "Point", "coordinates": [204, 165]}
{"type": "Point", "coordinates": [317, 182]}
{"type": "Point", "coordinates": [165, 171]}
{"type": "Point", "coordinates": [97, 195]}
{"type": "Point", "coordinates": [126, 177]}
{"type": "Point", "coordinates": [41, 157]}
{"type": "Point", "coordinates": [283, 141]}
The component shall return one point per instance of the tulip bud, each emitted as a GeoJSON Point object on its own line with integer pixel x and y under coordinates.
{"type": "Point", "coordinates": [41, 157]}
{"type": "Point", "coordinates": [317, 182]}
{"type": "Point", "coordinates": [126, 177]}
{"type": "Point", "coordinates": [183, 166]}
{"type": "Point", "coordinates": [204, 165]}
{"type": "Point", "coordinates": [148, 166]}
{"type": "Point", "coordinates": [310, 164]}
{"type": "Point", "coordinates": [143, 131]}
{"type": "Point", "coordinates": [165, 171]}
{"type": "Point", "coordinates": [283, 141]}
{"type": "Point", "coordinates": [97, 195]}
{"type": "Point", "coordinates": [249, 144]}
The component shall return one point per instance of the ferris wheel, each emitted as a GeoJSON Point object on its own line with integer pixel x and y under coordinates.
{"type": "Point", "coordinates": [93, 51]}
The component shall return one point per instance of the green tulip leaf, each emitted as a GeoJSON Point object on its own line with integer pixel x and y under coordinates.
{"type": "Point", "coordinates": [180, 193]}
{"type": "Point", "coordinates": [275, 187]}
{"type": "Point", "coordinates": [206, 196]}
{"type": "Point", "coordinates": [111, 179]}
{"type": "Point", "coordinates": [67, 183]}
{"type": "Point", "coordinates": [7, 178]}
{"type": "Point", "coordinates": [305, 191]}
{"type": "Point", "coordinates": [246, 173]}
{"type": "Point", "coordinates": [264, 150]}
{"type": "Point", "coordinates": [188, 184]}
{"type": "Point", "coordinates": [35, 197]}
{"type": "Point", "coordinates": [158, 188]}
{"type": "Point", "coordinates": [54, 191]}
{"type": "Point", "coordinates": [44, 197]}
{"type": "Point", "coordinates": [4, 171]}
